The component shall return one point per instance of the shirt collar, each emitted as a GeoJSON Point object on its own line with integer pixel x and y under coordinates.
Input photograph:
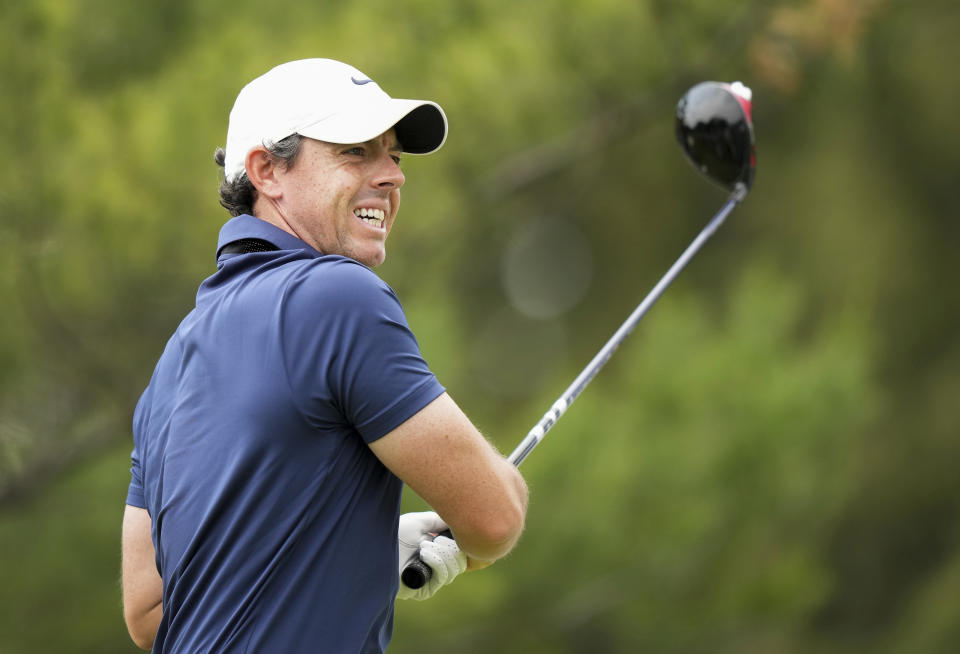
{"type": "Point", "coordinates": [246, 226]}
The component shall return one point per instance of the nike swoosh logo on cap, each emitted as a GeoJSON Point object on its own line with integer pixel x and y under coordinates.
{"type": "Point", "coordinates": [360, 82]}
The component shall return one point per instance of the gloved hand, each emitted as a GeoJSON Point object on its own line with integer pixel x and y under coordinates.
{"type": "Point", "coordinates": [416, 537]}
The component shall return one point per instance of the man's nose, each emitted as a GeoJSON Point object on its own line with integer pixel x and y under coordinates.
{"type": "Point", "coordinates": [389, 174]}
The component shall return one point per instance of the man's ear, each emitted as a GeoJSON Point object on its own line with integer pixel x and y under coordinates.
{"type": "Point", "coordinates": [262, 171]}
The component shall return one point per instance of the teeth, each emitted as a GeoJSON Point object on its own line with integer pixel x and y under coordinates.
{"type": "Point", "coordinates": [370, 216]}
{"type": "Point", "coordinates": [370, 213]}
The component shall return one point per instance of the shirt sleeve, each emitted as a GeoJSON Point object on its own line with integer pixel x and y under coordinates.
{"type": "Point", "coordinates": [136, 495]}
{"type": "Point", "coordinates": [351, 356]}
{"type": "Point", "coordinates": [135, 490]}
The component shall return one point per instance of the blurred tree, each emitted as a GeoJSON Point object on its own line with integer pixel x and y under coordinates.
{"type": "Point", "coordinates": [766, 466]}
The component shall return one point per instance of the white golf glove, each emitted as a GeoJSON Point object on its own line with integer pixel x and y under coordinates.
{"type": "Point", "coordinates": [416, 538]}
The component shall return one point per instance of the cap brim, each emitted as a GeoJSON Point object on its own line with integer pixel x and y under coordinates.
{"type": "Point", "coordinates": [421, 126]}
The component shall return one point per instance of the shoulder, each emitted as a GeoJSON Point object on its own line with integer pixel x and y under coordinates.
{"type": "Point", "coordinates": [332, 286]}
{"type": "Point", "coordinates": [334, 276]}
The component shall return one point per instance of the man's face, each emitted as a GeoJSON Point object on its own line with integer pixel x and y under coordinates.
{"type": "Point", "coordinates": [343, 199]}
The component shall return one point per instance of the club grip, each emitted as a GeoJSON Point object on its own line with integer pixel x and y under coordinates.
{"type": "Point", "coordinates": [417, 573]}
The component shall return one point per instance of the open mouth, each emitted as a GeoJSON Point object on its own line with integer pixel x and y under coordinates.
{"type": "Point", "coordinates": [372, 217]}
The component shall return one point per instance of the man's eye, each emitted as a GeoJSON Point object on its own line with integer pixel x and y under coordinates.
{"type": "Point", "coordinates": [356, 150]}
{"type": "Point", "coordinates": [396, 159]}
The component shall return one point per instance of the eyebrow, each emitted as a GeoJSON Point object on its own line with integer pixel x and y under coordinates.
{"type": "Point", "coordinates": [395, 146]}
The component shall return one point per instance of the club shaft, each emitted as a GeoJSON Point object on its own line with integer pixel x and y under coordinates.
{"type": "Point", "coordinates": [550, 418]}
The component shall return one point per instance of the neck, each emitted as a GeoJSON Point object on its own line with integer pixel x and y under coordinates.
{"type": "Point", "coordinates": [267, 210]}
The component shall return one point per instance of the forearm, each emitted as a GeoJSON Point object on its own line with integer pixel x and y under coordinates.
{"type": "Point", "coordinates": [141, 584]}
{"type": "Point", "coordinates": [143, 627]}
{"type": "Point", "coordinates": [488, 536]}
{"type": "Point", "coordinates": [444, 459]}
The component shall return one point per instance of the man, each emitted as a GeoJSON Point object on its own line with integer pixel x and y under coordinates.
{"type": "Point", "coordinates": [292, 403]}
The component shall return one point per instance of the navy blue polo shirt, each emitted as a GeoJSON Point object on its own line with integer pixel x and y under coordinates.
{"type": "Point", "coordinates": [274, 524]}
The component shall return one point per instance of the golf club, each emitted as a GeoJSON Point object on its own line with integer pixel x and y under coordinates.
{"type": "Point", "coordinates": [715, 129]}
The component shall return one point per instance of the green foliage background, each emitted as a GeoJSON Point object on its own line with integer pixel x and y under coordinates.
{"type": "Point", "coordinates": [767, 465]}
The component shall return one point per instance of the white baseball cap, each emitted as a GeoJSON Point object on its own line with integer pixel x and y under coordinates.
{"type": "Point", "coordinates": [329, 101]}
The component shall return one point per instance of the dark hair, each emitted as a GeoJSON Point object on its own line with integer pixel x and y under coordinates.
{"type": "Point", "coordinates": [238, 196]}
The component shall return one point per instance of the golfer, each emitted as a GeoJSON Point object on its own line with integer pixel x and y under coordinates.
{"type": "Point", "coordinates": [292, 403]}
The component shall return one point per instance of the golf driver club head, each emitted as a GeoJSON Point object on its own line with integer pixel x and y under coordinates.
{"type": "Point", "coordinates": [715, 130]}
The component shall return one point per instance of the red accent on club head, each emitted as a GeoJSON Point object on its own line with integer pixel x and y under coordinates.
{"type": "Point", "coordinates": [746, 104]}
